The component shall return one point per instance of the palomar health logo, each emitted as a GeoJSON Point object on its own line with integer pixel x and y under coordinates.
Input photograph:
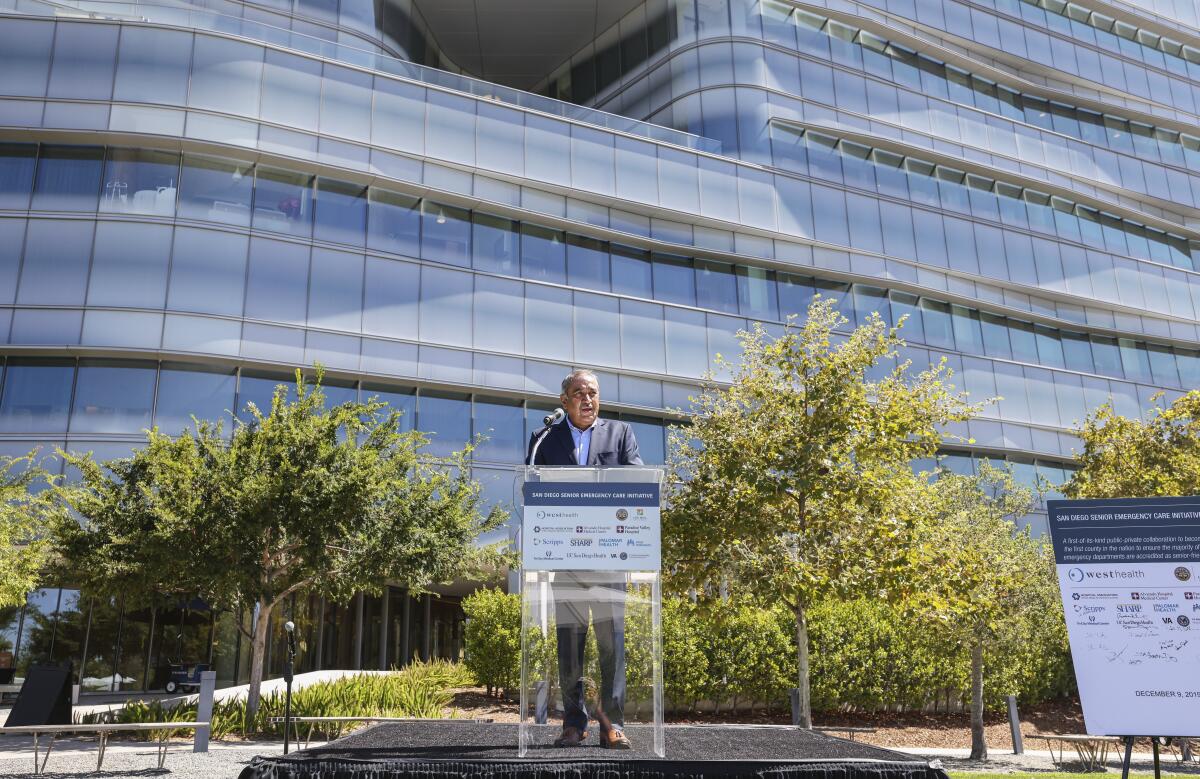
{"type": "Point", "coordinates": [1075, 574]}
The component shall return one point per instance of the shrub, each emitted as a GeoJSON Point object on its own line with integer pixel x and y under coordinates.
{"type": "Point", "coordinates": [867, 654]}
{"type": "Point", "coordinates": [685, 666]}
{"type": "Point", "coordinates": [493, 638]}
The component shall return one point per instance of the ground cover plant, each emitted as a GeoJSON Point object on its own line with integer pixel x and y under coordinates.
{"type": "Point", "coordinates": [419, 690]}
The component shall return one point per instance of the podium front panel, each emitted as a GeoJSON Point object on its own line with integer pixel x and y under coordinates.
{"type": "Point", "coordinates": [591, 644]}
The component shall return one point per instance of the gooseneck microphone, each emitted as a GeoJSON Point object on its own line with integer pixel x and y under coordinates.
{"type": "Point", "coordinates": [549, 421]}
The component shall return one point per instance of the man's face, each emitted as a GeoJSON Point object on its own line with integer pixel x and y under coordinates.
{"type": "Point", "coordinates": [582, 402]}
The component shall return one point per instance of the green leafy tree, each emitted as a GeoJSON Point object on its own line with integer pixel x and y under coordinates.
{"type": "Point", "coordinates": [983, 576]}
{"type": "Point", "coordinates": [493, 638]}
{"type": "Point", "coordinates": [1137, 458]}
{"type": "Point", "coordinates": [791, 483]}
{"type": "Point", "coordinates": [303, 498]}
{"type": "Point", "coordinates": [28, 513]}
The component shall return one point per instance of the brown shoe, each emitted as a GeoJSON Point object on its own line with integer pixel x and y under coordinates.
{"type": "Point", "coordinates": [571, 737]}
{"type": "Point", "coordinates": [614, 739]}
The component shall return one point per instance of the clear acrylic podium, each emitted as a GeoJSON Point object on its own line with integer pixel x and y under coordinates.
{"type": "Point", "coordinates": [590, 556]}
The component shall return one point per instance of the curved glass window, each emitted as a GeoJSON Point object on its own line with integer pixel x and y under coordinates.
{"type": "Point", "coordinates": [68, 178]}
{"type": "Point", "coordinates": [113, 397]}
{"type": "Point", "coordinates": [37, 396]}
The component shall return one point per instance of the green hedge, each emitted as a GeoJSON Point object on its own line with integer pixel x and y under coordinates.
{"type": "Point", "coordinates": [865, 655]}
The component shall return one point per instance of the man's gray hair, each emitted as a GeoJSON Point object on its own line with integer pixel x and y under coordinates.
{"type": "Point", "coordinates": [578, 373]}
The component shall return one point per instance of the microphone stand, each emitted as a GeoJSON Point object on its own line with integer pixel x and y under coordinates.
{"type": "Point", "coordinates": [549, 421]}
{"type": "Point", "coordinates": [288, 667]}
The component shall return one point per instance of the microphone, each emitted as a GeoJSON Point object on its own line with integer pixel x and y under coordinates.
{"type": "Point", "coordinates": [550, 420]}
{"type": "Point", "coordinates": [290, 627]}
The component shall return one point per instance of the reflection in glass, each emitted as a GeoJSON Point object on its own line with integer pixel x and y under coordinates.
{"type": "Point", "coordinates": [756, 292]}
{"type": "Point", "coordinates": [208, 272]}
{"type": "Point", "coordinates": [494, 244]}
{"type": "Point", "coordinates": [56, 262]}
{"type": "Point", "coordinates": [68, 178]}
{"type": "Point", "coordinates": [446, 234]}
{"type": "Point", "coordinates": [291, 91]}
{"type": "Point", "coordinates": [341, 212]}
{"type": "Point", "coordinates": [140, 182]}
{"type": "Point", "coordinates": [129, 265]}
{"type": "Point", "coordinates": [283, 201]}
{"type": "Point", "coordinates": [543, 254]}
{"type": "Point", "coordinates": [277, 284]}
{"type": "Point", "coordinates": [445, 306]}
{"type": "Point", "coordinates": [16, 174]}
{"type": "Point", "coordinates": [446, 417]}
{"type": "Point", "coordinates": [346, 103]}
{"type": "Point", "coordinates": [216, 189]}
{"type": "Point", "coordinates": [84, 55]}
{"type": "Point", "coordinates": [113, 397]}
{"type": "Point", "coordinates": [153, 65]}
{"type": "Point", "coordinates": [499, 315]}
{"type": "Point", "coordinates": [187, 390]}
{"type": "Point", "coordinates": [390, 302]}
{"type": "Point", "coordinates": [674, 279]}
{"type": "Point", "coordinates": [37, 396]}
{"type": "Point", "coordinates": [587, 263]}
{"type": "Point", "coordinates": [226, 75]}
{"type": "Point", "coordinates": [631, 272]}
{"type": "Point", "coordinates": [335, 292]}
{"type": "Point", "coordinates": [501, 421]}
{"type": "Point", "coordinates": [394, 222]}
{"type": "Point", "coordinates": [25, 47]}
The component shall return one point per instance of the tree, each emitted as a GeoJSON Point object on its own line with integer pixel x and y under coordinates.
{"type": "Point", "coordinates": [793, 482]}
{"type": "Point", "coordinates": [1136, 458]}
{"type": "Point", "coordinates": [28, 513]}
{"type": "Point", "coordinates": [981, 575]}
{"type": "Point", "coordinates": [328, 501]}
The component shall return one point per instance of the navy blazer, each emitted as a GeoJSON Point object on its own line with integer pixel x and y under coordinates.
{"type": "Point", "coordinates": [613, 443]}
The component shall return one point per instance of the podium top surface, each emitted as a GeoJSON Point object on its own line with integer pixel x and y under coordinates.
{"type": "Point", "coordinates": [639, 474]}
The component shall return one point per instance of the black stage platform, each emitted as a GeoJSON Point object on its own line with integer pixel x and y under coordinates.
{"type": "Point", "coordinates": [448, 749]}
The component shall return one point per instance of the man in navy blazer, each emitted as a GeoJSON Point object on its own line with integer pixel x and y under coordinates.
{"type": "Point", "coordinates": [585, 439]}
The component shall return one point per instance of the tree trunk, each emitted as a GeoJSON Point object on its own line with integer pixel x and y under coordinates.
{"type": "Point", "coordinates": [802, 668]}
{"type": "Point", "coordinates": [258, 649]}
{"type": "Point", "coordinates": [978, 744]}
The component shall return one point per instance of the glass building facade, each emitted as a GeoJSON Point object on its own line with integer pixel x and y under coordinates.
{"type": "Point", "coordinates": [197, 198]}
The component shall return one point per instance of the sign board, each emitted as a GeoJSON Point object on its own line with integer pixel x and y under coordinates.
{"type": "Point", "coordinates": [1129, 571]}
{"type": "Point", "coordinates": [577, 526]}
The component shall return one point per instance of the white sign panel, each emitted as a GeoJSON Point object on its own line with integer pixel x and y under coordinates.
{"type": "Point", "coordinates": [1128, 573]}
{"type": "Point", "coordinates": [576, 526]}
